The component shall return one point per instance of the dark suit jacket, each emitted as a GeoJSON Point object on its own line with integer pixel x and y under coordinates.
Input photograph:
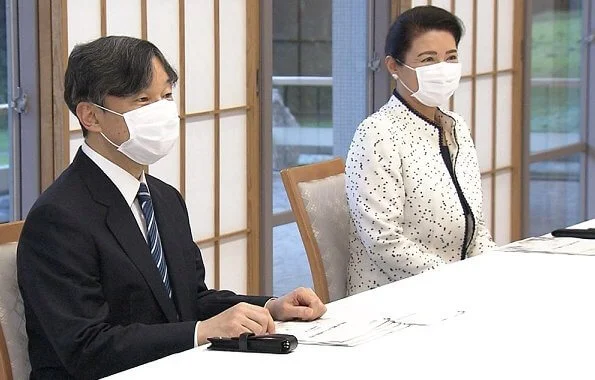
{"type": "Point", "coordinates": [94, 300]}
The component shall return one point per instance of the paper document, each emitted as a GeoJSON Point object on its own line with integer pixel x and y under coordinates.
{"type": "Point", "coordinates": [335, 332]}
{"type": "Point", "coordinates": [550, 244]}
{"type": "Point", "coordinates": [429, 317]}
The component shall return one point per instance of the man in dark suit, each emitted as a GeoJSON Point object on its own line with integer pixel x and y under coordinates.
{"type": "Point", "coordinates": [110, 275]}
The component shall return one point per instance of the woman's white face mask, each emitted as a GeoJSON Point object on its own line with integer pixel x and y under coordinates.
{"type": "Point", "coordinates": [436, 82]}
{"type": "Point", "coordinates": [153, 131]}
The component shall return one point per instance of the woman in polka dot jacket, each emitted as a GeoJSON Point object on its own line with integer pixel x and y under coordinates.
{"type": "Point", "coordinates": [412, 177]}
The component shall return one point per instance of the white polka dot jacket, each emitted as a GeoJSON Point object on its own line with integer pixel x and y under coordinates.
{"type": "Point", "coordinates": [414, 194]}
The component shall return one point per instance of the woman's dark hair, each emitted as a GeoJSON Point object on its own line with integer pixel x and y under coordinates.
{"type": "Point", "coordinates": [115, 65]}
{"type": "Point", "coordinates": [416, 21]}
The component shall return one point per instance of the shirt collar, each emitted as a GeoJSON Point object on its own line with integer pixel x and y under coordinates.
{"type": "Point", "coordinates": [433, 123]}
{"type": "Point", "coordinates": [124, 181]}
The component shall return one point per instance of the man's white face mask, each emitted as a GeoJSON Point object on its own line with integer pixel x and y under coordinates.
{"type": "Point", "coordinates": [436, 82]}
{"type": "Point", "coordinates": [153, 131]}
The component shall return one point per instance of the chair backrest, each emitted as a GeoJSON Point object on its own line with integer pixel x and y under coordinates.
{"type": "Point", "coordinates": [316, 193]}
{"type": "Point", "coordinates": [14, 357]}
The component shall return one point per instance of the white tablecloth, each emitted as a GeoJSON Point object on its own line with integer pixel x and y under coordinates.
{"type": "Point", "coordinates": [527, 315]}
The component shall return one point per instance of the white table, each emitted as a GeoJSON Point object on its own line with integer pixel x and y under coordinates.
{"type": "Point", "coordinates": [527, 316]}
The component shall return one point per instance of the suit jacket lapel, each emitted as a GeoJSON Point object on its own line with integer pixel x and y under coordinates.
{"type": "Point", "coordinates": [168, 224]}
{"type": "Point", "coordinates": [123, 226]}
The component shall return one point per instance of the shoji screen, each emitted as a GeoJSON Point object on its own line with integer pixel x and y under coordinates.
{"type": "Point", "coordinates": [215, 164]}
{"type": "Point", "coordinates": [486, 98]}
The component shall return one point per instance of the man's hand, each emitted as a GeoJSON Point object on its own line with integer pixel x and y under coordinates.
{"type": "Point", "coordinates": [300, 303]}
{"type": "Point", "coordinates": [236, 320]}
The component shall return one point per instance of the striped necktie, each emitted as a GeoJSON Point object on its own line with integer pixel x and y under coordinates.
{"type": "Point", "coordinates": [153, 238]}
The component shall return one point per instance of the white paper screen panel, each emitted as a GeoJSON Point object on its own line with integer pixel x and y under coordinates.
{"type": "Point", "coordinates": [233, 173]}
{"type": "Point", "coordinates": [505, 33]}
{"type": "Point", "coordinates": [486, 189]}
{"type": "Point", "coordinates": [445, 4]}
{"type": "Point", "coordinates": [233, 264]}
{"type": "Point", "coordinates": [167, 169]}
{"type": "Point", "coordinates": [208, 259]}
{"type": "Point", "coordinates": [232, 37]}
{"type": "Point", "coordinates": [76, 140]}
{"type": "Point", "coordinates": [84, 21]}
{"type": "Point", "coordinates": [123, 18]}
{"type": "Point", "coordinates": [84, 25]}
{"type": "Point", "coordinates": [503, 205]}
{"type": "Point", "coordinates": [483, 122]}
{"type": "Point", "coordinates": [462, 100]}
{"type": "Point", "coordinates": [485, 36]}
{"type": "Point", "coordinates": [163, 32]}
{"type": "Point", "coordinates": [504, 121]}
{"type": "Point", "coordinates": [464, 10]}
{"type": "Point", "coordinates": [200, 176]}
{"type": "Point", "coordinates": [200, 55]}
{"type": "Point", "coordinates": [415, 3]}
{"type": "Point", "coordinates": [73, 121]}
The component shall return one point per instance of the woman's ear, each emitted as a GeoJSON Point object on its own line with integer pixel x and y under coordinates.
{"type": "Point", "coordinates": [86, 113]}
{"type": "Point", "coordinates": [391, 64]}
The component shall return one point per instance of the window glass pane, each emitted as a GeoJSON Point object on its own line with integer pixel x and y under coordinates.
{"type": "Point", "coordinates": [301, 117]}
{"type": "Point", "coordinates": [280, 200]}
{"type": "Point", "coordinates": [302, 82]}
{"type": "Point", "coordinates": [290, 264]}
{"type": "Point", "coordinates": [320, 95]}
{"type": "Point", "coordinates": [5, 138]}
{"type": "Point", "coordinates": [555, 74]}
{"type": "Point", "coordinates": [555, 194]}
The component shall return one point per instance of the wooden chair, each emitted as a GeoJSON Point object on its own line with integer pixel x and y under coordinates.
{"type": "Point", "coordinates": [14, 357]}
{"type": "Point", "coordinates": [316, 193]}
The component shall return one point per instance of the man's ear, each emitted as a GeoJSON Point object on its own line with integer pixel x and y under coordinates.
{"type": "Point", "coordinates": [87, 114]}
